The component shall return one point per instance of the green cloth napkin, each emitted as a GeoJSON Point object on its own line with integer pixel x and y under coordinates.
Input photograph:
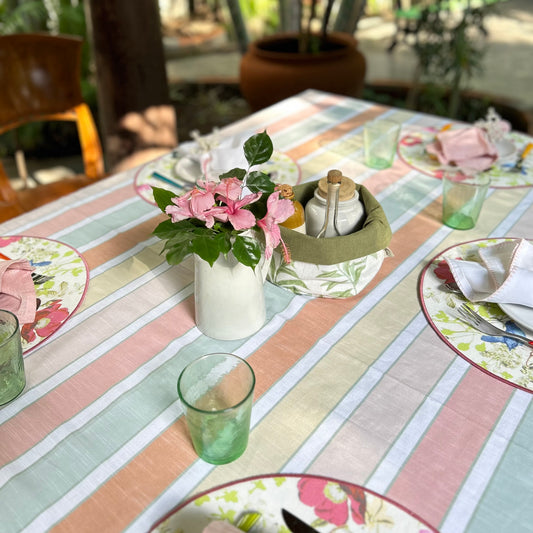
{"type": "Point", "coordinates": [375, 234]}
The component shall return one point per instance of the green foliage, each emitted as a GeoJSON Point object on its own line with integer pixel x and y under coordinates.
{"type": "Point", "coordinates": [450, 46]}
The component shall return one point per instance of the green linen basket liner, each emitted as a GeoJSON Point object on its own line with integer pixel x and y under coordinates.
{"type": "Point", "coordinates": [336, 267]}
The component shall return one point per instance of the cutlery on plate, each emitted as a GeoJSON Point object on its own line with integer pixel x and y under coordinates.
{"type": "Point", "coordinates": [473, 319]}
{"type": "Point", "coordinates": [170, 181]}
{"type": "Point", "coordinates": [39, 279]}
{"type": "Point", "coordinates": [247, 520]}
{"type": "Point", "coordinates": [517, 167]}
{"type": "Point", "coordinates": [295, 524]}
{"type": "Point", "coordinates": [452, 287]}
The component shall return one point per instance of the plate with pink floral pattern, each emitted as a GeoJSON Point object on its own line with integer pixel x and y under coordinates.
{"type": "Point", "coordinates": [412, 150]}
{"type": "Point", "coordinates": [323, 503]}
{"type": "Point", "coordinates": [502, 357]}
{"type": "Point", "coordinates": [60, 295]}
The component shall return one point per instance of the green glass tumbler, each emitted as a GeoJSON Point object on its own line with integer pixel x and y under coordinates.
{"type": "Point", "coordinates": [216, 392]}
{"type": "Point", "coordinates": [12, 376]}
{"type": "Point", "coordinates": [462, 198]}
{"type": "Point", "coordinates": [381, 140]}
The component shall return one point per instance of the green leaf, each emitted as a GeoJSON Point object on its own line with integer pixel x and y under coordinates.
{"type": "Point", "coordinates": [247, 251]}
{"type": "Point", "coordinates": [260, 182]}
{"type": "Point", "coordinates": [165, 230]}
{"type": "Point", "coordinates": [178, 254]}
{"type": "Point", "coordinates": [163, 197]}
{"type": "Point", "coordinates": [258, 149]}
{"type": "Point", "coordinates": [238, 173]}
{"type": "Point", "coordinates": [223, 242]}
{"type": "Point", "coordinates": [207, 248]}
{"type": "Point", "coordinates": [463, 346]}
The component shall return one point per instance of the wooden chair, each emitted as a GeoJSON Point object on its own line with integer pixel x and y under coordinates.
{"type": "Point", "coordinates": [40, 80]}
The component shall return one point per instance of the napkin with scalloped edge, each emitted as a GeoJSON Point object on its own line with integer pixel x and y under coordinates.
{"type": "Point", "coordinates": [17, 291]}
{"type": "Point", "coordinates": [504, 274]}
{"type": "Point", "coordinates": [467, 148]}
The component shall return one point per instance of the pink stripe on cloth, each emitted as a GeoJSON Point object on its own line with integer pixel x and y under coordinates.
{"type": "Point", "coordinates": [383, 179]}
{"type": "Point", "coordinates": [91, 382]}
{"type": "Point", "coordinates": [436, 469]}
{"type": "Point", "coordinates": [79, 213]}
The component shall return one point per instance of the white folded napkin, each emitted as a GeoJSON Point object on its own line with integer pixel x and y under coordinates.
{"type": "Point", "coordinates": [227, 155]}
{"type": "Point", "coordinates": [211, 155]}
{"type": "Point", "coordinates": [503, 275]}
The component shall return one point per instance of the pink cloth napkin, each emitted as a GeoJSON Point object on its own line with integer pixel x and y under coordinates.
{"type": "Point", "coordinates": [466, 148]}
{"type": "Point", "coordinates": [17, 291]}
{"type": "Point", "coordinates": [218, 526]}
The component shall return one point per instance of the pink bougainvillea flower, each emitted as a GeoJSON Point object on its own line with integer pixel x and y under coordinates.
{"type": "Point", "coordinates": [197, 203]}
{"type": "Point", "coordinates": [278, 210]}
{"type": "Point", "coordinates": [229, 188]}
{"type": "Point", "coordinates": [332, 501]}
{"type": "Point", "coordinates": [228, 191]}
{"type": "Point", "coordinates": [46, 321]}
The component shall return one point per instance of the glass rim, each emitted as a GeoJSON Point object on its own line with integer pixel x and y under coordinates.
{"type": "Point", "coordinates": [15, 329]}
{"type": "Point", "coordinates": [473, 180]}
{"type": "Point", "coordinates": [217, 411]}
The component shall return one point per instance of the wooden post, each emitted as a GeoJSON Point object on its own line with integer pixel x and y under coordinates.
{"type": "Point", "coordinates": [131, 77]}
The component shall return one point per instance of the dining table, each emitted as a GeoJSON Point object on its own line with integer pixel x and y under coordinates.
{"type": "Point", "coordinates": [385, 392]}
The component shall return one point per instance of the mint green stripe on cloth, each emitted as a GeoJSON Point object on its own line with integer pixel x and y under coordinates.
{"type": "Point", "coordinates": [509, 492]}
{"type": "Point", "coordinates": [315, 123]}
{"type": "Point", "coordinates": [111, 220]}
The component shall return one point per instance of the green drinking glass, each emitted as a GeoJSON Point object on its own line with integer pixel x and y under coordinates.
{"type": "Point", "coordinates": [12, 376]}
{"type": "Point", "coordinates": [380, 139]}
{"type": "Point", "coordinates": [216, 392]}
{"type": "Point", "coordinates": [462, 198]}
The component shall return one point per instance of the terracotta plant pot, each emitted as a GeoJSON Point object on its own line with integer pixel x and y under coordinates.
{"type": "Point", "coordinates": [272, 69]}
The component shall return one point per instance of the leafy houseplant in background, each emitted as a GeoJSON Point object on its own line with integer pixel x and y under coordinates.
{"type": "Point", "coordinates": [231, 227]}
{"type": "Point", "coordinates": [305, 54]}
{"type": "Point", "coordinates": [449, 46]}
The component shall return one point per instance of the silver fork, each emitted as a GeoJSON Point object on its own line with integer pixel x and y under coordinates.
{"type": "Point", "coordinates": [479, 323]}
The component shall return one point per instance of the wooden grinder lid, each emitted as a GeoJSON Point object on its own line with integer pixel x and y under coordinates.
{"type": "Point", "coordinates": [347, 188]}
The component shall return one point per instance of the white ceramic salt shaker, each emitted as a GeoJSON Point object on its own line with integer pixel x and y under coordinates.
{"type": "Point", "coordinates": [350, 213]}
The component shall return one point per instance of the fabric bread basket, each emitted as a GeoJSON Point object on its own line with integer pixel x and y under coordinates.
{"type": "Point", "coordinates": [335, 267]}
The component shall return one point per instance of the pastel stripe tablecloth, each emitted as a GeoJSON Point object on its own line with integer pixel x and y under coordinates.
{"type": "Point", "coordinates": [360, 389]}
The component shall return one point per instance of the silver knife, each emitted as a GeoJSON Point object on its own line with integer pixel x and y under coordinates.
{"type": "Point", "coordinates": [295, 524]}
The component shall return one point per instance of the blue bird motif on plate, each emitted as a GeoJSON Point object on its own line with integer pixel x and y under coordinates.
{"type": "Point", "coordinates": [511, 327]}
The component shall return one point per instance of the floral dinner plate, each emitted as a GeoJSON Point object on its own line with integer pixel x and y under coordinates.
{"type": "Point", "coordinates": [164, 172]}
{"type": "Point", "coordinates": [327, 505]}
{"type": "Point", "coordinates": [57, 298]}
{"type": "Point", "coordinates": [412, 150]}
{"type": "Point", "coordinates": [502, 357]}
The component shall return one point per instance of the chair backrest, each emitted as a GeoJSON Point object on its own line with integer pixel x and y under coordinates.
{"type": "Point", "coordinates": [40, 80]}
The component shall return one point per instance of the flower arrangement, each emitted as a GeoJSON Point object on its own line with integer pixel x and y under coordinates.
{"type": "Point", "coordinates": [239, 213]}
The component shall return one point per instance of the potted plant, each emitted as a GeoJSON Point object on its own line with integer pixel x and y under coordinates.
{"type": "Point", "coordinates": [306, 54]}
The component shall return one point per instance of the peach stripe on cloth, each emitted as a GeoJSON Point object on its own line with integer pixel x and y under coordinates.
{"type": "Point", "coordinates": [17, 292]}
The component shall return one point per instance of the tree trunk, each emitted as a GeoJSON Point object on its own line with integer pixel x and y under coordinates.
{"type": "Point", "coordinates": [131, 77]}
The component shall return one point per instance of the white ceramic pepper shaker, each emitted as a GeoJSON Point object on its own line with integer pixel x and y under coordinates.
{"type": "Point", "coordinates": [350, 212]}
